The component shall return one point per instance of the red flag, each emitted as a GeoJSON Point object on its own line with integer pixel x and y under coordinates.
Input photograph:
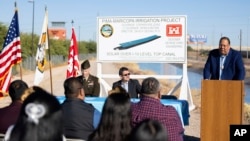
{"type": "Point", "coordinates": [10, 54]}
{"type": "Point", "coordinates": [73, 62]}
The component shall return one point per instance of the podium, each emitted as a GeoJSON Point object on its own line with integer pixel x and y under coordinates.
{"type": "Point", "coordinates": [221, 105]}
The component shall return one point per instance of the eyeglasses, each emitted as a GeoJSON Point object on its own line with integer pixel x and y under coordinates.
{"type": "Point", "coordinates": [126, 74]}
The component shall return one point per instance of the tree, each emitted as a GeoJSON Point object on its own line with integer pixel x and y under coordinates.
{"type": "Point", "coordinates": [91, 46]}
{"type": "Point", "coordinates": [57, 47]}
{"type": "Point", "coordinates": [3, 32]}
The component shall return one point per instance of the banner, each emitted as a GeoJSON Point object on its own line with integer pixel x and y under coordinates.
{"type": "Point", "coordinates": [142, 39]}
{"type": "Point", "coordinates": [41, 52]}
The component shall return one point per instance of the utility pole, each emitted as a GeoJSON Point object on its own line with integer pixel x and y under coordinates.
{"type": "Point", "coordinates": [247, 34]}
{"type": "Point", "coordinates": [33, 18]}
{"type": "Point", "coordinates": [240, 39]}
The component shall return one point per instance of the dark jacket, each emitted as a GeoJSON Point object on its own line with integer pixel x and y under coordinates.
{"type": "Point", "coordinates": [233, 66]}
{"type": "Point", "coordinates": [78, 118]}
{"type": "Point", "coordinates": [9, 115]}
{"type": "Point", "coordinates": [134, 87]}
{"type": "Point", "coordinates": [91, 86]}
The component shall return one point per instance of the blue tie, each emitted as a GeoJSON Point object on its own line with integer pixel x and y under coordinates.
{"type": "Point", "coordinates": [222, 60]}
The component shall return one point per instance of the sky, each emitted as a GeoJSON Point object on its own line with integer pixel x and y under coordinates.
{"type": "Point", "coordinates": [213, 18]}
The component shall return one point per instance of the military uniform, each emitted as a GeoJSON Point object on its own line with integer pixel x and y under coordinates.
{"type": "Point", "coordinates": [91, 86]}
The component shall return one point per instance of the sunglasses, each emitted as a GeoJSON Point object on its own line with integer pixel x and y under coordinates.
{"type": "Point", "coordinates": [126, 74]}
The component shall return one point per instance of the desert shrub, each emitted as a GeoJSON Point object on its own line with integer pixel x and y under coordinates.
{"type": "Point", "coordinates": [246, 114]}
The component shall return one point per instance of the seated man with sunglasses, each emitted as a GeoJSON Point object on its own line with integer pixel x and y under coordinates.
{"type": "Point", "coordinates": [132, 86]}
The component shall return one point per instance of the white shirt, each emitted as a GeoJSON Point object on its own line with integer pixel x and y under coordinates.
{"type": "Point", "coordinates": [125, 85]}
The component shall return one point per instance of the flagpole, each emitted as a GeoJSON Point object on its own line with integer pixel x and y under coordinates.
{"type": "Point", "coordinates": [72, 22]}
{"type": "Point", "coordinates": [20, 66]}
{"type": "Point", "coordinates": [15, 5]}
{"type": "Point", "coordinates": [51, 85]}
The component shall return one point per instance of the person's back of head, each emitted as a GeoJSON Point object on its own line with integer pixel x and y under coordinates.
{"type": "Point", "coordinates": [40, 118]}
{"type": "Point", "coordinates": [116, 105]}
{"type": "Point", "coordinates": [72, 86]}
{"type": "Point", "coordinates": [117, 89]}
{"type": "Point", "coordinates": [16, 89]}
{"type": "Point", "coordinates": [115, 123]}
{"type": "Point", "coordinates": [149, 130]}
{"type": "Point", "coordinates": [150, 86]}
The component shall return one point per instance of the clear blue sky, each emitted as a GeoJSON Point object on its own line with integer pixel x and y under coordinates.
{"type": "Point", "coordinates": [208, 17]}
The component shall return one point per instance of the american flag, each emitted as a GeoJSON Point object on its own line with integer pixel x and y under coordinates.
{"type": "Point", "coordinates": [73, 62]}
{"type": "Point", "coordinates": [10, 54]}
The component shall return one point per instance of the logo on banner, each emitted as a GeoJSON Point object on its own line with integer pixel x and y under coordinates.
{"type": "Point", "coordinates": [106, 30]}
{"type": "Point", "coordinates": [174, 30]}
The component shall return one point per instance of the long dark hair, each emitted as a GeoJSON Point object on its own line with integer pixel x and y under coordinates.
{"type": "Point", "coordinates": [149, 130]}
{"type": "Point", "coordinates": [31, 126]}
{"type": "Point", "coordinates": [115, 123]}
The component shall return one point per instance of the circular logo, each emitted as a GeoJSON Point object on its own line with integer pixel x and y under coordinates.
{"type": "Point", "coordinates": [106, 30]}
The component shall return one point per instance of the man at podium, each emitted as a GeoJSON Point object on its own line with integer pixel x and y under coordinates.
{"type": "Point", "coordinates": [224, 63]}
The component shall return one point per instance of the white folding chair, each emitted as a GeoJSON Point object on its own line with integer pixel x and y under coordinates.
{"type": "Point", "coordinates": [69, 139]}
{"type": "Point", "coordinates": [2, 137]}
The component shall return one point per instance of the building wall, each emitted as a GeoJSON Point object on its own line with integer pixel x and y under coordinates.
{"type": "Point", "coordinates": [57, 33]}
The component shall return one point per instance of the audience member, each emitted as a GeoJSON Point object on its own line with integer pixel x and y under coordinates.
{"type": "Point", "coordinates": [115, 123]}
{"type": "Point", "coordinates": [150, 107]}
{"type": "Point", "coordinates": [117, 89]}
{"type": "Point", "coordinates": [132, 86]}
{"type": "Point", "coordinates": [79, 118]}
{"type": "Point", "coordinates": [224, 63]}
{"type": "Point", "coordinates": [149, 130]}
{"type": "Point", "coordinates": [9, 114]}
{"type": "Point", "coordinates": [40, 119]}
{"type": "Point", "coordinates": [90, 82]}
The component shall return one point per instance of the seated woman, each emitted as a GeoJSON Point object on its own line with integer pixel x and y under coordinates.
{"type": "Point", "coordinates": [115, 123]}
{"type": "Point", "coordinates": [40, 119]}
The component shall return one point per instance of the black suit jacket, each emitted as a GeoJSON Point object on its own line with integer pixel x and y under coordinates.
{"type": "Point", "coordinates": [134, 87]}
{"type": "Point", "coordinates": [78, 118]}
